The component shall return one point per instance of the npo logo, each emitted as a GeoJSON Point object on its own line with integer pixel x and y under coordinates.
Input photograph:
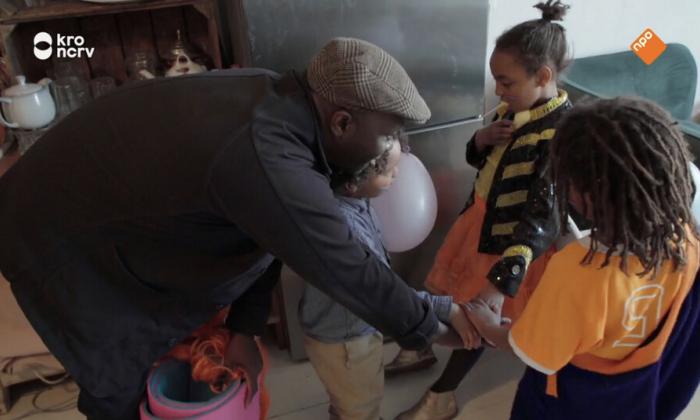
{"type": "Point", "coordinates": [648, 46]}
{"type": "Point", "coordinates": [66, 46]}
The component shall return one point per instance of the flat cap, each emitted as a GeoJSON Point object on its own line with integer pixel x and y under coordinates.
{"type": "Point", "coordinates": [353, 73]}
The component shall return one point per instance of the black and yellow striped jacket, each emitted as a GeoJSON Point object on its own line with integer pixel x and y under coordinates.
{"type": "Point", "coordinates": [521, 221]}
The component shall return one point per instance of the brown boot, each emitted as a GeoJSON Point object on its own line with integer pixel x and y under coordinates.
{"type": "Point", "coordinates": [410, 360]}
{"type": "Point", "coordinates": [433, 406]}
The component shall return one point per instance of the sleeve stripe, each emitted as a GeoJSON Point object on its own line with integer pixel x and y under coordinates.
{"type": "Point", "coordinates": [526, 359]}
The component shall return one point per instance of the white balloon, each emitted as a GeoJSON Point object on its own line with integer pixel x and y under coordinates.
{"type": "Point", "coordinates": [408, 209]}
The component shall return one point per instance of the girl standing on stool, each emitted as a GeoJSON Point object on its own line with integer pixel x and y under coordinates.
{"type": "Point", "coordinates": [499, 245]}
{"type": "Point", "coordinates": [613, 329]}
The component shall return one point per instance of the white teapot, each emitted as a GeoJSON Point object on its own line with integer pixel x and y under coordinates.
{"type": "Point", "coordinates": [27, 105]}
{"type": "Point", "coordinates": [182, 65]}
{"type": "Point", "coordinates": [183, 59]}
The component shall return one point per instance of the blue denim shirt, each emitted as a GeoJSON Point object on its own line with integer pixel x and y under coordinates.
{"type": "Point", "coordinates": [328, 321]}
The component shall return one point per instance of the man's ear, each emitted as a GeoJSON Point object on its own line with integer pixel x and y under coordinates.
{"type": "Point", "coordinates": [544, 75]}
{"type": "Point", "coordinates": [342, 124]}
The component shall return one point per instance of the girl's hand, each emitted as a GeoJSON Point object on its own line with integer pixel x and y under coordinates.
{"type": "Point", "coordinates": [495, 134]}
{"type": "Point", "coordinates": [492, 297]}
{"type": "Point", "coordinates": [493, 328]}
{"type": "Point", "coordinates": [481, 315]}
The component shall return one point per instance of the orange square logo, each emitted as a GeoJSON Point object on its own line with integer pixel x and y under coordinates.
{"type": "Point", "coordinates": [648, 46]}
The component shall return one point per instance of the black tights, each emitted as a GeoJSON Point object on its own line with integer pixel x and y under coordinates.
{"type": "Point", "coordinates": [460, 363]}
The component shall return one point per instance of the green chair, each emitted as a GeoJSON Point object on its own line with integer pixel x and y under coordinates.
{"type": "Point", "coordinates": [670, 81]}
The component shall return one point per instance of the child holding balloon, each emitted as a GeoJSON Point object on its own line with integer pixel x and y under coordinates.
{"type": "Point", "coordinates": [345, 351]}
{"type": "Point", "coordinates": [499, 245]}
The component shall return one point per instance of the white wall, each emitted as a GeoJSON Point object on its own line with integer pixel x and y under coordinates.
{"type": "Point", "coordinates": [603, 26]}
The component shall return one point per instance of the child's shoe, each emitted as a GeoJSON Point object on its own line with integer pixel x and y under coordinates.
{"type": "Point", "coordinates": [433, 406]}
{"type": "Point", "coordinates": [410, 360]}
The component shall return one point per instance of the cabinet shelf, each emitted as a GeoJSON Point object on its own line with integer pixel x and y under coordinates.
{"type": "Point", "coordinates": [60, 9]}
{"type": "Point", "coordinates": [115, 31]}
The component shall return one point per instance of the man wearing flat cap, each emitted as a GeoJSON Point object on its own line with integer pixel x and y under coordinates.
{"type": "Point", "coordinates": [139, 216]}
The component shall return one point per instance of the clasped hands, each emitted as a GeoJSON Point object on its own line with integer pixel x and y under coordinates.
{"type": "Point", "coordinates": [468, 322]}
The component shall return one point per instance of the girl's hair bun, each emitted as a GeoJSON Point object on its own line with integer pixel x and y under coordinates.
{"type": "Point", "coordinates": [552, 10]}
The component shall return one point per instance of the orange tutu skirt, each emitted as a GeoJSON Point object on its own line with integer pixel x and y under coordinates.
{"type": "Point", "coordinates": [460, 269]}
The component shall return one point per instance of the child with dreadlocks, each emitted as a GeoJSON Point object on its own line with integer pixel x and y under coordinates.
{"type": "Point", "coordinates": [500, 244]}
{"type": "Point", "coordinates": [345, 351]}
{"type": "Point", "coordinates": [613, 329]}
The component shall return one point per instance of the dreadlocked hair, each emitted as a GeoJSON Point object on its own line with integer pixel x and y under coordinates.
{"type": "Point", "coordinates": [630, 158]}
{"type": "Point", "coordinates": [376, 167]}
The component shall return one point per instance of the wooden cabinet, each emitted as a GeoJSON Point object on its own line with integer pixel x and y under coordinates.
{"type": "Point", "coordinates": [114, 30]}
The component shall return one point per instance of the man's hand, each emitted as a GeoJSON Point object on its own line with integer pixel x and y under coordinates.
{"type": "Point", "coordinates": [493, 298]}
{"type": "Point", "coordinates": [495, 134]}
{"type": "Point", "coordinates": [471, 339]}
{"type": "Point", "coordinates": [243, 352]}
{"type": "Point", "coordinates": [448, 337]}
